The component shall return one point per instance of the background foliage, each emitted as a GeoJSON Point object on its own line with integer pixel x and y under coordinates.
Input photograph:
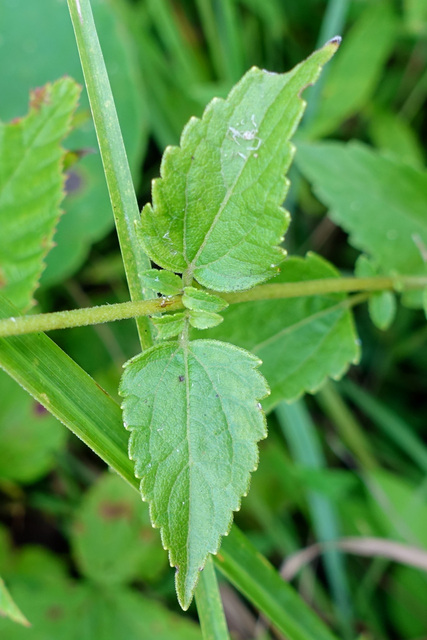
{"type": "Point", "coordinates": [348, 461]}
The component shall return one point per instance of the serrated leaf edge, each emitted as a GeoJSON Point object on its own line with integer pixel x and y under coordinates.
{"type": "Point", "coordinates": [257, 362]}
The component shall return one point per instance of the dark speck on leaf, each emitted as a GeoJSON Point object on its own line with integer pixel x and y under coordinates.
{"type": "Point", "coordinates": [39, 409]}
{"type": "Point", "coordinates": [181, 378]}
{"type": "Point", "coordinates": [73, 182]}
{"type": "Point", "coordinates": [55, 613]}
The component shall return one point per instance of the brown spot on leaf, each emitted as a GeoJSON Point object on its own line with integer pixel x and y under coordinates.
{"type": "Point", "coordinates": [115, 510]}
{"type": "Point", "coordinates": [38, 97]}
{"type": "Point", "coordinates": [39, 409]}
{"type": "Point", "coordinates": [147, 534]}
{"type": "Point", "coordinates": [55, 612]}
{"type": "Point", "coordinates": [3, 281]}
{"type": "Point", "coordinates": [73, 182]}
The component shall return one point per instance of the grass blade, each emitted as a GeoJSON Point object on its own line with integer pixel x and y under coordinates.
{"type": "Point", "coordinates": [209, 605]}
{"type": "Point", "coordinates": [300, 433]}
{"type": "Point", "coordinates": [116, 166]}
{"type": "Point", "coordinates": [392, 425]}
{"type": "Point", "coordinates": [253, 575]}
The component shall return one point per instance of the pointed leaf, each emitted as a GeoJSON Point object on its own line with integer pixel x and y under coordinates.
{"type": "Point", "coordinates": [32, 187]}
{"type": "Point", "coordinates": [195, 420]}
{"type": "Point", "coordinates": [301, 341]}
{"type": "Point", "coordinates": [198, 300]}
{"type": "Point", "coordinates": [164, 282]}
{"type": "Point", "coordinates": [204, 319]}
{"type": "Point", "coordinates": [8, 608]}
{"type": "Point", "coordinates": [169, 326]}
{"type": "Point", "coordinates": [216, 211]}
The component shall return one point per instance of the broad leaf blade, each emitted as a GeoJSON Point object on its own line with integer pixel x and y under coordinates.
{"type": "Point", "coordinates": [301, 341]}
{"type": "Point", "coordinates": [195, 420]}
{"type": "Point", "coordinates": [32, 187]}
{"type": "Point", "coordinates": [217, 211]}
{"type": "Point", "coordinates": [381, 203]}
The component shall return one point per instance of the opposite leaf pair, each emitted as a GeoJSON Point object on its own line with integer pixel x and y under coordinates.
{"type": "Point", "coordinates": [193, 407]}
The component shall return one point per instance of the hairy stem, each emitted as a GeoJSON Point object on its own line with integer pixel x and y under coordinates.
{"type": "Point", "coordinates": [108, 313]}
{"type": "Point", "coordinates": [113, 154]}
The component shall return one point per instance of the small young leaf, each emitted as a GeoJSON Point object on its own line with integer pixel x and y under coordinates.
{"type": "Point", "coordinates": [216, 211]}
{"type": "Point", "coordinates": [32, 187]}
{"type": "Point", "coordinates": [194, 418]}
{"type": "Point", "coordinates": [382, 305]}
{"type": "Point", "coordinates": [204, 319]}
{"type": "Point", "coordinates": [382, 309]}
{"type": "Point", "coordinates": [198, 300]}
{"type": "Point", "coordinates": [164, 282]}
{"type": "Point", "coordinates": [169, 326]}
{"type": "Point", "coordinates": [301, 341]}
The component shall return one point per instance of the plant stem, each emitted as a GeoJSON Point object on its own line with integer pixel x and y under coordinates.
{"type": "Point", "coordinates": [19, 325]}
{"type": "Point", "coordinates": [324, 286]}
{"type": "Point", "coordinates": [84, 317]}
{"type": "Point", "coordinates": [113, 154]}
{"type": "Point", "coordinates": [209, 605]}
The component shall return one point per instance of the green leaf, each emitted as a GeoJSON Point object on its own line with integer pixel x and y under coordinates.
{"type": "Point", "coordinates": [32, 187]}
{"type": "Point", "coordinates": [198, 300]}
{"type": "Point", "coordinates": [204, 319]}
{"type": "Point", "coordinates": [425, 301]}
{"type": "Point", "coordinates": [380, 202]}
{"type": "Point", "coordinates": [301, 341]}
{"type": "Point", "coordinates": [164, 282]}
{"type": "Point", "coordinates": [30, 437]}
{"type": "Point", "coordinates": [60, 607]}
{"type": "Point", "coordinates": [382, 306]}
{"type": "Point", "coordinates": [169, 326]}
{"type": "Point", "coordinates": [395, 137]}
{"type": "Point", "coordinates": [354, 74]}
{"type": "Point", "coordinates": [216, 212]}
{"type": "Point", "coordinates": [415, 16]}
{"type": "Point", "coordinates": [107, 533]}
{"type": "Point", "coordinates": [194, 415]}
{"type": "Point", "coordinates": [8, 608]}
{"type": "Point", "coordinates": [382, 309]}
{"type": "Point", "coordinates": [51, 52]}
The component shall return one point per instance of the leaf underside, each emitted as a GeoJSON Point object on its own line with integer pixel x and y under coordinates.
{"type": "Point", "coordinates": [32, 187]}
{"type": "Point", "coordinates": [301, 341]}
{"type": "Point", "coordinates": [194, 415]}
{"type": "Point", "coordinates": [216, 213]}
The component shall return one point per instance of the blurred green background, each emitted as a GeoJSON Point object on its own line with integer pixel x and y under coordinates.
{"type": "Point", "coordinates": [76, 546]}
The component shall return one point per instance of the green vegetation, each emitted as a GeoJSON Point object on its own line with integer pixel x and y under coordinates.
{"type": "Point", "coordinates": [254, 294]}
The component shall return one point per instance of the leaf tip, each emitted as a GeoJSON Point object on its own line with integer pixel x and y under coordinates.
{"type": "Point", "coordinates": [335, 41]}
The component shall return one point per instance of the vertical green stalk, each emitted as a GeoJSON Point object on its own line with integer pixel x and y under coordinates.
{"type": "Point", "coordinates": [348, 427]}
{"type": "Point", "coordinates": [209, 605]}
{"type": "Point", "coordinates": [304, 444]}
{"type": "Point", "coordinates": [113, 154]}
{"type": "Point", "coordinates": [332, 25]}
